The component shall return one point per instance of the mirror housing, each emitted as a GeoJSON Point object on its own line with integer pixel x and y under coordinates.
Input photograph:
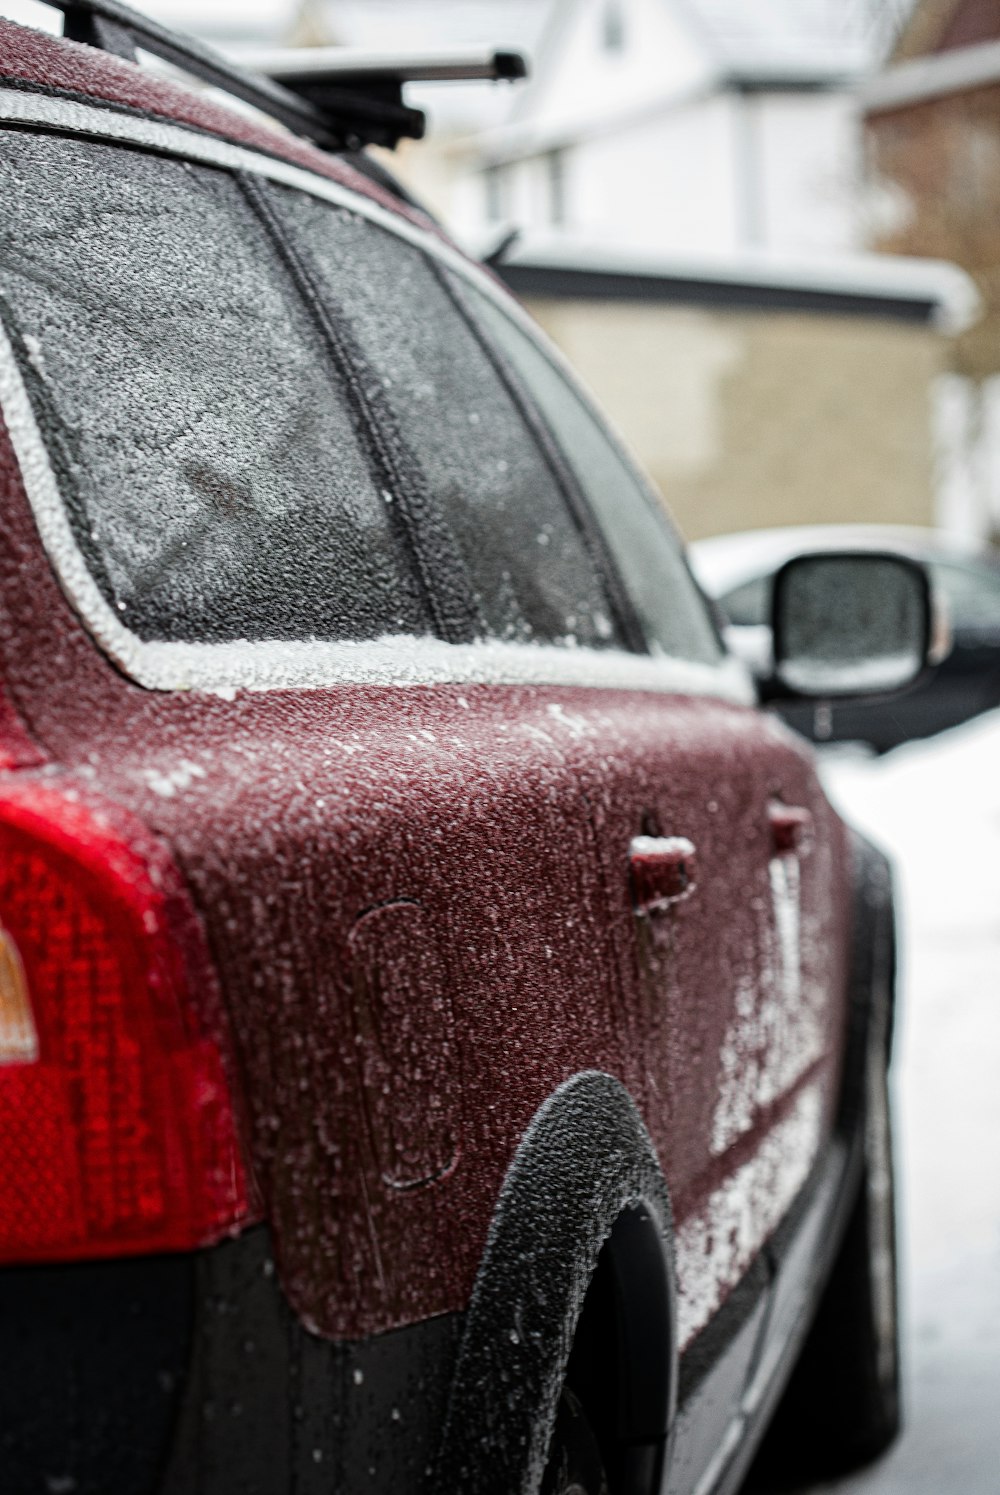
{"type": "Point", "coordinates": [850, 623]}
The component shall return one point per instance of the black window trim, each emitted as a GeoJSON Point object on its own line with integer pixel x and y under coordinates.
{"type": "Point", "coordinates": [437, 561]}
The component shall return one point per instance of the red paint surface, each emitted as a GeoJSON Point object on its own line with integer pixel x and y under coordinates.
{"type": "Point", "coordinates": [417, 902]}
{"type": "Point", "coordinates": [505, 815]}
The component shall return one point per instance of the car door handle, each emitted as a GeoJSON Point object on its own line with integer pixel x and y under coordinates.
{"type": "Point", "coordinates": [791, 829]}
{"type": "Point", "coordinates": [661, 871]}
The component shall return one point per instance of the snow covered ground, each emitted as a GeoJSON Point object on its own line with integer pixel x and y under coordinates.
{"type": "Point", "coordinates": [936, 808]}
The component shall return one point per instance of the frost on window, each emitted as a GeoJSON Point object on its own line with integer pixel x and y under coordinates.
{"type": "Point", "coordinates": [649, 562]}
{"type": "Point", "coordinates": [212, 476]}
{"type": "Point", "coordinates": [533, 574]}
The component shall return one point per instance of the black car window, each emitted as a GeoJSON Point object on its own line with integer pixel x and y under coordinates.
{"type": "Point", "coordinates": [636, 530]}
{"type": "Point", "coordinates": [212, 475]}
{"type": "Point", "coordinates": [972, 594]}
{"type": "Point", "coordinates": [528, 561]}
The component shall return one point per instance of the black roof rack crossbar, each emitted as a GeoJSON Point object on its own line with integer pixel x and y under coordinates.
{"type": "Point", "coordinates": [332, 76]}
{"type": "Point", "coordinates": [368, 111]}
{"type": "Point", "coordinates": [359, 68]}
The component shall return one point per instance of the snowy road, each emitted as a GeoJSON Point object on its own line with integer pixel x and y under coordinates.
{"type": "Point", "coordinates": [936, 808]}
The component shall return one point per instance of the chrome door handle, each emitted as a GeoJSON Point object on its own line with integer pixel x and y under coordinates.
{"type": "Point", "coordinates": [661, 870]}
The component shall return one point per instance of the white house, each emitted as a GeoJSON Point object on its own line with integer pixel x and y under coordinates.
{"type": "Point", "coordinates": [684, 125]}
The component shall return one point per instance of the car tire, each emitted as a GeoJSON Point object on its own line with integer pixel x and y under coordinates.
{"type": "Point", "coordinates": [574, 1464]}
{"type": "Point", "coordinates": [842, 1406]}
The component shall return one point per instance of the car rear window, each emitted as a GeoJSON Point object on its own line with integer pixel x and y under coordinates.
{"type": "Point", "coordinates": [213, 476]}
{"type": "Point", "coordinates": [535, 577]}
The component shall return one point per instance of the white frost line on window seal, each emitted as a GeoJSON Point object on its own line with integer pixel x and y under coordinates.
{"type": "Point", "coordinates": [287, 664]}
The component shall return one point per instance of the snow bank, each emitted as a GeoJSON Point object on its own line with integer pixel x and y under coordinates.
{"type": "Point", "coordinates": [935, 806]}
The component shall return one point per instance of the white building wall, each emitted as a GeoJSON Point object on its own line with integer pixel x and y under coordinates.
{"type": "Point", "coordinates": [804, 152]}
{"type": "Point", "coordinates": [579, 79]}
{"type": "Point", "coordinates": [664, 183]}
{"type": "Point", "coordinates": [658, 150]}
{"type": "Point", "coordinates": [716, 172]}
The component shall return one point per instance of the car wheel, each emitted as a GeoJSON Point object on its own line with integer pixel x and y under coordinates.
{"type": "Point", "coordinates": [842, 1405]}
{"type": "Point", "coordinates": [574, 1464]}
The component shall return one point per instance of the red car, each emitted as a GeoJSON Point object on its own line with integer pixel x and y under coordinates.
{"type": "Point", "coordinates": [443, 1025]}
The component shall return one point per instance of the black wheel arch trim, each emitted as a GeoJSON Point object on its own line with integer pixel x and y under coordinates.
{"type": "Point", "coordinates": [872, 977]}
{"type": "Point", "coordinates": [585, 1176]}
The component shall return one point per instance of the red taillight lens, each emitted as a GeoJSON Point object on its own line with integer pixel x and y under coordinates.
{"type": "Point", "coordinates": [117, 1129]}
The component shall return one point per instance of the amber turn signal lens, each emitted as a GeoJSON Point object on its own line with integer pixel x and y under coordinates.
{"type": "Point", "coordinates": [18, 1038]}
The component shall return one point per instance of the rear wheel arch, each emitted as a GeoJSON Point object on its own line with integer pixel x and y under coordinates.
{"type": "Point", "coordinates": [577, 1279]}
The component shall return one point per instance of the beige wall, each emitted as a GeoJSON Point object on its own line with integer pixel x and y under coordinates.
{"type": "Point", "coordinates": [751, 418]}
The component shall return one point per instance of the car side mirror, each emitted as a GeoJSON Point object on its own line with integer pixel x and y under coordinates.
{"type": "Point", "coordinates": [850, 623]}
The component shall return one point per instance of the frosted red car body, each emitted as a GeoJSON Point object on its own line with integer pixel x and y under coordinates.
{"type": "Point", "coordinates": [417, 905]}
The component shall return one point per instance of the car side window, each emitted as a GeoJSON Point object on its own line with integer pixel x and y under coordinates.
{"type": "Point", "coordinates": [213, 478]}
{"type": "Point", "coordinates": [637, 533]}
{"type": "Point", "coordinates": [528, 561]}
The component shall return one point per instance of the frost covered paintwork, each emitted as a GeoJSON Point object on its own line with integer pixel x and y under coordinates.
{"type": "Point", "coordinates": [418, 902]}
{"type": "Point", "coordinates": [495, 822]}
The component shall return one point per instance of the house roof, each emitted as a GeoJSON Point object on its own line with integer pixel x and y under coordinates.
{"type": "Point", "coordinates": [412, 24]}
{"type": "Point", "coordinates": [399, 25]}
{"type": "Point", "coordinates": [804, 39]}
{"type": "Point", "coordinates": [921, 79]}
{"type": "Point", "coordinates": [420, 25]}
{"type": "Point", "coordinates": [739, 44]}
{"type": "Point", "coordinates": [896, 288]}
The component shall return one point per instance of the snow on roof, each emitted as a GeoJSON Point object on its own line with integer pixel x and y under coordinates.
{"type": "Point", "coordinates": [803, 39]}
{"type": "Point", "coordinates": [223, 22]}
{"type": "Point", "coordinates": [421, 24]}
{"type": "Point", "coordinates": [946, 289]}
{"type": "Point", "coordinates": [377, 25]}
{"type": "Point", "coordinates": [923, 78]}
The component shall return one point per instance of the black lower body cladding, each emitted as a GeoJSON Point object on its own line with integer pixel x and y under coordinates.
{"type": "Point", "coordinates": [190, 1375]}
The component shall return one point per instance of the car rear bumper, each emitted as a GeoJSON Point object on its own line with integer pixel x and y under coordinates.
{"type": "Point", "coordinates": [189, 1375]}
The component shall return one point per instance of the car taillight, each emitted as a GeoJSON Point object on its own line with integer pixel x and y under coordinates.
{"type": "Point", "coordinates": [117, 1129]}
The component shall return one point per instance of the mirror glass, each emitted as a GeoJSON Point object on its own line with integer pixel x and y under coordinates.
{"type": "Point", "coordinates": [850, 624]}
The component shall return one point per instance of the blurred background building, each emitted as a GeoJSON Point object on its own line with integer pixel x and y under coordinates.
{"type": "Point", "coordinates": [932, 134]}
{"type": "Point", "coordinates": [739, 218]}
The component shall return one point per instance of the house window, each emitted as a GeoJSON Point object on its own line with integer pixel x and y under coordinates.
{"type": "Point", "coordinates": [613, 26]}
{"type": "Point", "coordinates": [496, 196]}
{"type": "Point", "coordinates": [555, 167]}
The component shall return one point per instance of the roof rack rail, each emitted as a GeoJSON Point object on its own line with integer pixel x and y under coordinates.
{"type": "Point", "coordinates": [330, 76]}
{"type": "Point", "coordinates": [346, 101]}
{"type": "Point", "coordinates": [353, 65]}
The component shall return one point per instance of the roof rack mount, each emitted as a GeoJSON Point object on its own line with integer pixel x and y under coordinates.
{"type": "Point", "coordinates": [338, 98]}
